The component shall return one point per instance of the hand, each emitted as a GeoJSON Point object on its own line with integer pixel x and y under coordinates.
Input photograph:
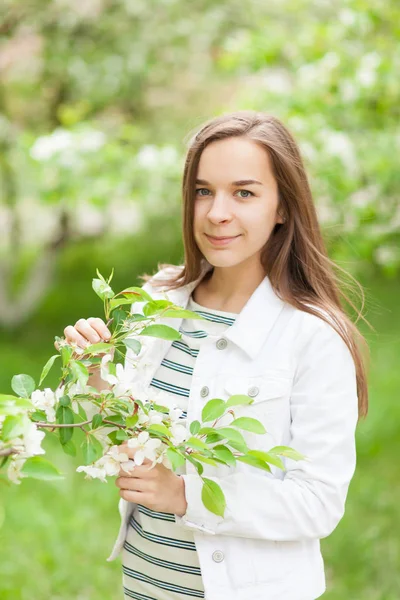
{"type": "Point", "coordinates": [159, 488]}
{"type": "Point", "coordinates": [86, 332]}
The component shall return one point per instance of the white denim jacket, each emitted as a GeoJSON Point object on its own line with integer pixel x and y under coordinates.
{"type": "Point", "coordinates": [303, 381]}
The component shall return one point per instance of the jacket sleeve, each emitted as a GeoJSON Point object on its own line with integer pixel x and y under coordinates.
{"type": "Point", "coordinates": [310, 500]}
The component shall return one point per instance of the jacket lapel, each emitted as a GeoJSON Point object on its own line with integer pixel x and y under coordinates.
{"type": "Point", "coordinates": [254, 322]}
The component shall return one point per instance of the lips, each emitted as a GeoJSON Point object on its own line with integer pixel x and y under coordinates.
{"type": "Point", "coordinates": [225, 237]}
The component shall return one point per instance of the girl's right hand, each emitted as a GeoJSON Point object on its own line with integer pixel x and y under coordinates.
{"type": "Point", "coordinates": [86, 332]}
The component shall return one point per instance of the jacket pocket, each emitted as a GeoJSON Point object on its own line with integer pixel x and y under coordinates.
{"type": "Point", "coordinates": [270, 393]}
{"type": "Point", "coordinates": [271, 385]}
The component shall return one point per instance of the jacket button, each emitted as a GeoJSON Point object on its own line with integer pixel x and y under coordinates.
{"type": "Point", "coordinates": [204, 391]}
{"type": "Point", "coordinates": [222, 344]}
{"type": "Point", "coordinates": [218, 556]}
{"type": "Point", "coordinates": [253, 391]}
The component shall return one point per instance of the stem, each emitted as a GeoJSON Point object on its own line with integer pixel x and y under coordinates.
{"type": "Point", "coordinates": [8, 451]}
{"type": "Point", "coordinates": [115, 424]}
{"type": "Point", "coordinates": [58, 425]}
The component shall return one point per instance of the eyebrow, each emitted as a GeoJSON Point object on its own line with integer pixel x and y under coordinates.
{"type": "Point", "coordinates": [241, 182]}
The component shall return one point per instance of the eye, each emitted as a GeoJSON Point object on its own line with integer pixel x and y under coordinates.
{"type": "Point", "coordinates": [247, 192]}
{"type": "Point", "coordinates": [201, 189]}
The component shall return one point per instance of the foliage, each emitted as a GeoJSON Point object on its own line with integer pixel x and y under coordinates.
{"type": "Point", "coordinates": [124, 411]}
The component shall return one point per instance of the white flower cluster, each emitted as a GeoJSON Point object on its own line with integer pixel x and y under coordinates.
{"type": "Point", "coordinates": [26, 444]}
{"type": "Point", "coordinates": [145, 447]}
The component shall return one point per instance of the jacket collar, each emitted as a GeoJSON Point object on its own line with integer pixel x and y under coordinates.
{"type": "Point", "coordinates": [255, 320]}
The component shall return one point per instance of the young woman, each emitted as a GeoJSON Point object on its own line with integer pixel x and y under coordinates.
{"type": "Point", "coordinates": [256, 268]}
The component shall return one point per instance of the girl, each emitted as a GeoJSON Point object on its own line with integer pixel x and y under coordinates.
{"type": "Point", "coordinates": [256, 268]}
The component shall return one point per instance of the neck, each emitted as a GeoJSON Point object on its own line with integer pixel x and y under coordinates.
{"type": "Point", "coordinates": [229, 288]}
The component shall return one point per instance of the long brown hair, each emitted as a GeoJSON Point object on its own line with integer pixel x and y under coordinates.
{"type": "Point", "coordinates": [294, 257]}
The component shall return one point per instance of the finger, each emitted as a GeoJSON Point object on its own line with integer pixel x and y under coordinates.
{"type": "Point", "coordinates": [100, 327]}
{"type": "Point", "coordinates": [133, 484]}
{"type": "Point", "coordinates": [135, 497]}
{"type": "Point", "coordinates": [71, 335]}
{"type": "Point", "coordinates": [83, 327]}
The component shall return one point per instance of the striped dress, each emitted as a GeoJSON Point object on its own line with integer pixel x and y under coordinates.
{"type": "Point", "coordinates": [159, 558]}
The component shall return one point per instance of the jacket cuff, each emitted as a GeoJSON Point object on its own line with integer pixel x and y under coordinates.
{"type": "Point", "coordinates": [197, 516]}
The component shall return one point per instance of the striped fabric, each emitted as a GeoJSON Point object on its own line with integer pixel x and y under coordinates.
{"type": "Point", "coordinates": [159, 558]}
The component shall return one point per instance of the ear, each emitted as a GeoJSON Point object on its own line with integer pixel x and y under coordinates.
{"type": "Point", "coordinates": [280, 218]}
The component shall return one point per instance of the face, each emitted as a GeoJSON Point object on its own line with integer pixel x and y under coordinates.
{"type": "Point", "coordinates": [227, 204]}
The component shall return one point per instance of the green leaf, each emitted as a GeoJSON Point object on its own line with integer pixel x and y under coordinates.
{"type": "Point", "coordinates": [99, 347]}
{"type": "Point", "coordinates": [204, 459]}
{"type": "Point", "coordinates": [47, 367]}
{"type": "Point", "coordinates": [159, 430]}
{"type": "Point", "coordinates": [155, 306]}
{"type": "Point", "coordinates": [80, 372]}
{"type": "Point", "coordinates": [118, 316]}
{"type": "Point", "coordinates": [65, 400]}
{"type": "Point", "coordinates": [231, 434]}
{"type": "Point", "coordinates": [197, 444]}
{"type": "Point", "coordinates": [111, 276]}
{"type": "Point", "coordinates": [65, 416]}
{"type": "Point", "coordinates": [238, 400]}
{"type": "Point", "coordinates": [286, 451]}
{"type": "Point", "coordinates": [69, 448]}
{"type": "Point", "coordinates": [162, 331]}
{"type": "Point", "coordinates": [23, 385]}
{"type": "Point", "coordinates": [177, 460]}
{"type": "Point", "coordinates": [160, 408]}
{"type": "Point", "coordinates": [133, 344]}
{"type": "Point", "coordinates": [213, 410]}
{"type": "Point", "coordinates": [119, 302]}
{"type": "Point", "coordinates": [38, 415]}
{"type": "Point", "coordinates": [199, 467]}
{"type": "Point", "coordinates": [66, 353]}
{"type": "Point", "coordinates": [97, 421]}
{"type": "Point", "coordinates": [121, 435]}
{"type": "Point", "coordinates": [239, 446]}
{"type": "Point", "coordinates": [13, 426]}
{"type": "Point", "coordinates": [138, 292]}
{"type": "Point", "coordinates": [213, 497]}
{"type": "Point", "coordinates": [254, 462]}
{"type": "Point", "coordinates": [82, 412]}
{"type": "Point", "coordinates": [102, 289]}
{"type": "Point", "coordinates": [113, 438]}
{"type": "Point", "coordinates": [116, 419]}
{"type": "Point", "coordinates": [212, 438]}
{"type": "Point", "coordinates": [132, 420]}
{"type": "Point", "coordinates": [37, 467]}
{"type": "Point", "coordinates": [195, 427]}
{"type": "Point", "coordinates": [267, 457]}
{"type": "Point", "coordinates": [92, 449]}
{"type": "Point", "coordinates": [12, 404]}
{"type": "Point", "coordinates": [249, 424]}
{"type": "Point", "coordinates": [224, 454]}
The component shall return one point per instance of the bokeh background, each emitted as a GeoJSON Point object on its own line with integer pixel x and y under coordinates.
{"type": "Point", "coordinates": [98, 99]}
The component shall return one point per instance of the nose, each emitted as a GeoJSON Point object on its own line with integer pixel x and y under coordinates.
{"type": "Point", "coordinates": [221, 209]}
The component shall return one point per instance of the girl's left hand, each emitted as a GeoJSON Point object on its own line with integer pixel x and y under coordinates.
{"type": "Point", "coordinates": [159, 488]}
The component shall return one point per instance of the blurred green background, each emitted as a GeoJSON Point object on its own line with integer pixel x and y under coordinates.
{"type": "Point", "coordinates": [97, 102]}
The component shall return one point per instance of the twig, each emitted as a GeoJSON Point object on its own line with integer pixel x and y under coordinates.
{"type": "Point", "coordinates": [8, 451]}
{"type": "Point", "coordinates": [57, 425]}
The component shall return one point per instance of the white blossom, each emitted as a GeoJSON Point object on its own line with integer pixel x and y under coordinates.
{"type": "Point", "coordinates": [14, 473]}
{"type": "Point", "coordinates": [45, 400]}
{"type": "Point", "coordinates": [175, 413]}
{"type": "Point", "coordinates": [153, 418]}
{"type": "Point", "coordinates": [93, 472]}
{"type": "Point", "coordinates": [32, 438]}
{"type": "Point", "coordinates": [113, 460]}
{"type": "Point", "coordinates": [179, 433]}
{"type": "Point", "coordinates": [145, 447]}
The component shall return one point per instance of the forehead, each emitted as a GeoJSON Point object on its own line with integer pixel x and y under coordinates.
{"type": "Point", "coordinates": [233, 159]}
